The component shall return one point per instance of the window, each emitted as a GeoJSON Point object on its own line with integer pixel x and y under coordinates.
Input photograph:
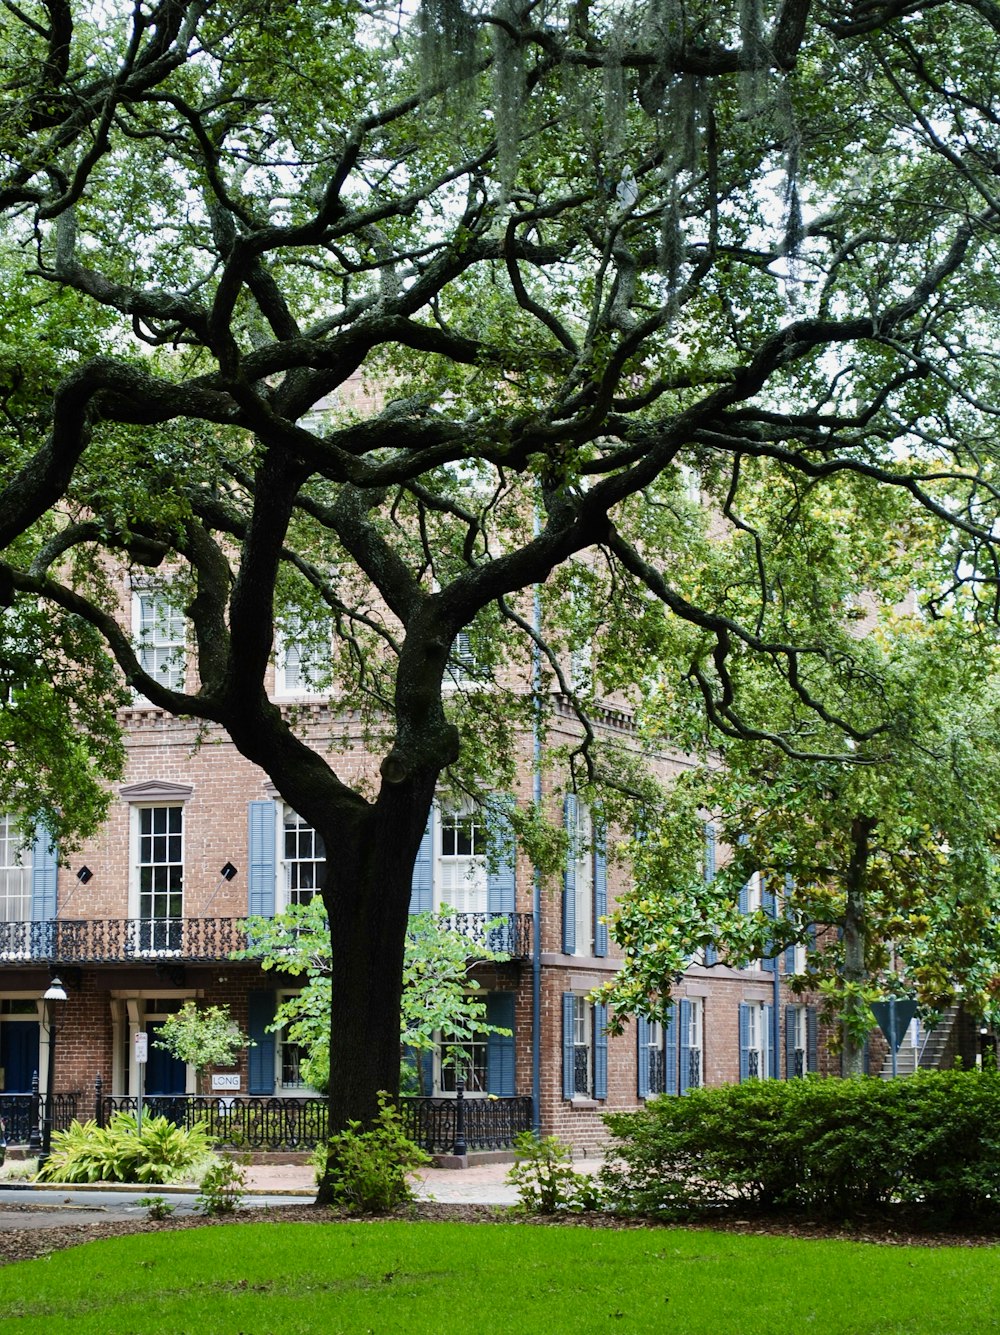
{"type": "Point", "coordinates": [465, 1060]}
{"type": "Point", "coordinates": [652, 1059]}
{"type": "Point", "coordinates": [462, 879]}
{"type": "Point", "coordinates": [302, 659]}
{"type": "Point", "coordinates": [801, 1054]}
{"type": "Point", "coordinates": [15, 873]}
{"type": "Point", "coordinates": [303, 860]}
{"type": "Point", "coordinates": [756, 1052]}
{"type": "Point", "coordinates": [670, 1056]}
{"type": "Point", "coordinates": [461, 661]}
{"type": "Point", "coordinates": [159, 875]}
{"type": "Point", "coordinates": [161, 632]}
{"type": "Point", "coordinates": [585, 1049]}
{"type": "Point", "coordinates": [585, 884]}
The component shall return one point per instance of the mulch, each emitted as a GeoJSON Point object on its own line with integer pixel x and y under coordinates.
{"type": "Point", "coordinates": [900, 1229]}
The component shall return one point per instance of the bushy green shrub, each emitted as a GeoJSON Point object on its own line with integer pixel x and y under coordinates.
{"type": "Point", "coordinates": [826, 1146]}
{"type": "Point", "coordinates": [545, 1179]}
{"type": "Point", "coordinates": [369, 1170]}
{"type": "Point", "coordinates": [222, 1189]}
{"type": "Point", "coordinates": [86, 1152]}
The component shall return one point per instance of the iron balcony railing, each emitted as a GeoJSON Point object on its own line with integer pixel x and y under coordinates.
{"type": "Point", "coordinates": [199, 940]}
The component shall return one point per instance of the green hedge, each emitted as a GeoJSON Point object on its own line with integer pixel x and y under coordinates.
{"type": "Point", "coordinates": [825, 1146]}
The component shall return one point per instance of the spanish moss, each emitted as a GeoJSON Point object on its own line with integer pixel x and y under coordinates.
{"type": "Point", "coordinates": [508, 91]}
{"type": "Point", "coordinates": [447, 37]}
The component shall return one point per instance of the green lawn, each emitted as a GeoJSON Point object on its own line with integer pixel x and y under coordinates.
{"type": "Point", "coordinates": [493, 1279]}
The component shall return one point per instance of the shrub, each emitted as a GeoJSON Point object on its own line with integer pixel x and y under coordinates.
{"type": "Point", "coordinates": [828, 1146]}
{"type": "Point", "coordinates": [368, 1170]}
{"type": "Point", "coordinates": [158, 1207]}
{"type": "Point", "coordinates": [222, 1188]}
{"type": "Point", "coordinates": [86, 1152]}
{"type": "Point", "coordinates": [545, 1179]}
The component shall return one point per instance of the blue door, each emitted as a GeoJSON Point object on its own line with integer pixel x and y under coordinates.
{"type": "Point", "coordinates": [18, 1054]}
{"type": "Point", "coordinates": [164, 1074]}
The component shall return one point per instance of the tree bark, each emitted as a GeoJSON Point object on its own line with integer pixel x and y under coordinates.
{"type": "Point", "coordinates": [855, 967]}
{"type": "Point", "coordinates": [367, 896]}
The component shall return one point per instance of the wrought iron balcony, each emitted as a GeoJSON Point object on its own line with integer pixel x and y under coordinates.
{"type": "Point", "coordinates": [197, 940]}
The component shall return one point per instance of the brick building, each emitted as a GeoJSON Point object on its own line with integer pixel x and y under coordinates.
{"type": "Point", "coordinates": [148, 914]}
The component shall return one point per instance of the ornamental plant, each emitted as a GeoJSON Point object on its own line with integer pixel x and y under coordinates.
{"type": "Point", "coordinates": [202, 1037]}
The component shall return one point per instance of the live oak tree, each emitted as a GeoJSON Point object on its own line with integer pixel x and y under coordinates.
{"type": "Point", "coordinates": [592, 260]}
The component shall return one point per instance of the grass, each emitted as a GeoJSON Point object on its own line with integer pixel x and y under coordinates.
{"type": "Point", "coordinates": [497, 1279]}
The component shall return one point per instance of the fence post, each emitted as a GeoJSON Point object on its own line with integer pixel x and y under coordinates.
{"type": "Point", "coordinates": [98, 1100]}
{"type": "Point", "coordinates": [35, 1117]}
{"type": "Point", "coordinates": [459, 1147]}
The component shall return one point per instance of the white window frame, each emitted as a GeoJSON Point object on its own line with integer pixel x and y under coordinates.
{"type": "Point", "coordinates": [583, 1040]}
{"type": "Point", "coordinates": [161, 656]}
{"type": "Point", "coordinates": [460, 670]}
{"type": "Point", "coordinates": [280, 1044]}
{"type": "Point", "coordinates": [288, 868]}
{"type": "Point", "coordinates": [799, 1016]}
{"type": "Point", "coordinates": [16, 862]}
{"type": "Point", "coordinates": [695, 1039]}
{"type": "Point", "coordinates": [461, 881]}
{"type": "Point", "coordinates": [136, 893]}
{"type": "Point", "coordinates": [656, 1042]}
{"type": "Point", "coordinates": [758, 1038]}
{"type": "Point", "coordinates": [297, 682]}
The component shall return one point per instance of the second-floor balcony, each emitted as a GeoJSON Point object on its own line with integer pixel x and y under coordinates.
{"type": "Point", "coordinates": [198, 940]}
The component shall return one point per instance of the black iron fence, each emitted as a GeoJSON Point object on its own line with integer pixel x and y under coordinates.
{"type": "Point", "coordinates": [22, 1115]}
{"type": "Point", "coordinates": [204, 940]}
{"type": "Point", "coordinates": [258, 1123]}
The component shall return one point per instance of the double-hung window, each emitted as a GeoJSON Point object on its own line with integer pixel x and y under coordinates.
{"type": "Point", "coordinates": [462, 878]}
{"type": "Point", "coordinates": [303, 860]}
{"type": "Point", "coordinates": [159, 875]}
{"type": "Point", "coordinates": [161, 634]}
{"type": "Point", "coordinates": [756, 1049]}
{"type": "Point", "coordinates": [301, 658]}
{"type": "Point", "coordinates": [585, 1048]}
{"type": "Point", "coordinates": [15, 872]}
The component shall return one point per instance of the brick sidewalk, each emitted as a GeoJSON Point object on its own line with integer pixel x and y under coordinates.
{"type": "Point", "coordinates": [481, 1184]}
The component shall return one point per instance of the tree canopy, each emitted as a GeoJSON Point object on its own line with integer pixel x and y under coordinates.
{"type": "Point", "coordinates": [598, 268]}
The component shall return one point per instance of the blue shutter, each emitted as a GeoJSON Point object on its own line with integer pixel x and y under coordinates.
{"type": "Point", "coordinates": [260, 1058]}
{"type": "Point", "coordinates": [600, 1052]}
{"type": "Point", "coordinates": [569, 877]}
{"type": "Point", "coordinates": [769, 905]}
{"type": "Point", "coordinates": [685, 1046]}
{"type": "Point", "coordinates": [501, 887]}
{"type": "Point", "coordinates": [500, 1047]}
{"type": "Point", "coordinates": [767, 1022]}
{"type": "Point", "coordinates": [261, 879]}
{"type": "Point", "coordinates": [711, 953]}
{"type": "Point", "coordinates": [670, 1052]}
{"type": "Point", "coordinates": [744, 895]}
{"type": "Point", "coordinates": [790, 1041]}
{"type": "Point", "coordinates": [44, 877]}
{"type": "Point", "coordinates": [642, 1056]}
{"type": "Point", "coordinates": [600, 891]}
{"type": "Point", "coordinates": [422, 880]}
{"type": "Point", "coordinates": [812, 1035]}
{"type": "Point", "coordinates": [569, 1082]}
{"type": "Point", "coordinates": [744, 1041]}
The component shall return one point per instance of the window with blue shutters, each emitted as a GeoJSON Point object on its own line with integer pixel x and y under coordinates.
{"type": "Point", "coordinates": [801, 1031]}
{"type": "Point", "coordinates": [422, 880]}
{"type": "Point", "coordinates": [262, 873]}
{"type": "Point", "coordinates": [757, 1058]}
{"type": "Point", "coordinates": [44, 863]}
{"type": "Point", "coordinates": [585, 1048]}
{"type": "Point", "coordinates": [690, 1013]}
{"type": "Point", "coordinates": [500, 1066]}
{"type": "Point", "coordinates": [18, 899]}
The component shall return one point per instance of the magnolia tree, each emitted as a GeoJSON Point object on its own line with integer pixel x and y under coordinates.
{"type": "Point", "coordinates": [602, 266]}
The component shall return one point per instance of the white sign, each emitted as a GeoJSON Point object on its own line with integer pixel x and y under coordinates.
{"type": "Point", "coordinates": [226, 1082]}
{"type": "Point", "coordinates": [141, 1049]}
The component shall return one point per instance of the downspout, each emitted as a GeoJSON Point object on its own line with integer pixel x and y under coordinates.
{"type": "Point", "coordinates": [536, 903]}
{"type": "Point", "coordinates": [776, 1018]}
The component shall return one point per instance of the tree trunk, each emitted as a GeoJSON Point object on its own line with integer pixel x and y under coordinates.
{"type": "Point", "coordinates": [855, 967]}
{"type": "Point", "coordinates": [367, 896]}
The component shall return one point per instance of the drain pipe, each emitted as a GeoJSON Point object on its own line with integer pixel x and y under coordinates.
{"type": "Point", "coordinates": [536, 903]}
